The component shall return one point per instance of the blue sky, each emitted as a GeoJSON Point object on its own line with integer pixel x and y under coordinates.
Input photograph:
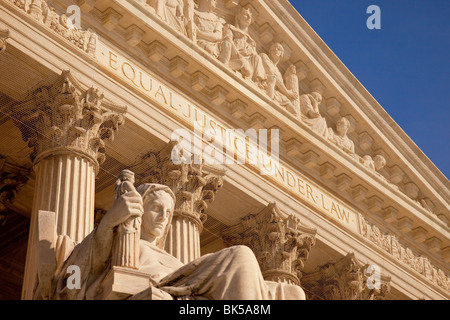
{"type": "Point", "coordinates": [405, 65]}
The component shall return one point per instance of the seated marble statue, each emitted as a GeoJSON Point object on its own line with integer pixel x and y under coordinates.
{"type": "Point", "coordinates": [238, 49]}
{"type": "Point", "coordinates": [208, 27]}
{"type": "Point", "coordinates": [232, 273]}
{"type": "Point", "coordinates": [340, 137]}
{"type": "Point", "coordinates": [310, 113]}
{"type": "Point", "coordinates": [286, 94]}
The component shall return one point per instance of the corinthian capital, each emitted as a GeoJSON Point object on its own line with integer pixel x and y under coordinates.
{"type": "Point", "coordinates": [280, 243]}
{"type": "Point", "coordinates": [65, 118]}
{"type": "Point", "coordinates": [194, 185]}
{"type": "Point", "coordinates": [347, 279]}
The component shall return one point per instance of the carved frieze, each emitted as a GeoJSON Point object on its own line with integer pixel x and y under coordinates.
{"type": "Point", "coordinates": [40, 10]}
{"type": "Point", "coordinates": [64, 117]}
{"type": "Point", "coordinates": [280, 243]}
{"type": "Point", "coordinates": [391, 244]}
{"type": "Point", "coordinates": [346, 279]}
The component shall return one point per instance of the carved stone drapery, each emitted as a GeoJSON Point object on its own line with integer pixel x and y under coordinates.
{"type": "Point", "coordinates": [280, 243]}
{"type": "Point", "coordinates": [194, 186]}
{"type": "Point", "coordinates": [4, 35]}
{"type": "Point", "coordinates": [346, 279]}
{"type": "Point", "coordinates": [66, 126]}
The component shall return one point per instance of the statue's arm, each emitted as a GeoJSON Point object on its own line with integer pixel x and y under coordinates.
{"type": "Point", "coordinates": [126, 206]}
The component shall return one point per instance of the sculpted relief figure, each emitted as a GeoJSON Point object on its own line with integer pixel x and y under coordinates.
{"type": "Point", "coordinates": [208, 27]}
{"type": "Point", "coordinates": [232, 273]}
{"type": "Point", "coordinates": [238, 49]}
{"type": "Point", "coordinates": [310, 113]}
{"type": "Point", "coordinates": [172, 12]}
{"type": "Point", "coordinates": [375, 164]}
{"type": "Point", "coordinates": [340, 137]}
{"type": "Point", "coordinates": [286, 94]}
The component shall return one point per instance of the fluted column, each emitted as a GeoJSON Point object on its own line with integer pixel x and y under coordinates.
{"type": "Point", "coordinates": [66, 127]}
{"type": "Point", "coordinates": [70, 178]}
{"type": "Point", "coordinates": [280, 243]}
{"type": "Point", "coordinates": [194, 187]}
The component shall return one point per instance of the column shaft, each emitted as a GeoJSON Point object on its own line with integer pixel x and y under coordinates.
{"type": "Point", "coordinates": [65, 185]}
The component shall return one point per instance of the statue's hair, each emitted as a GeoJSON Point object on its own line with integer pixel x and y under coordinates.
{"type": "Point", "coordinates": [149, 189]}
{"type": "Point", "coordinates": [240, 11]}
{"type": "Point", "coordinates": [277, 44]}
{"type": "Point", "coordinates": [346, 121]}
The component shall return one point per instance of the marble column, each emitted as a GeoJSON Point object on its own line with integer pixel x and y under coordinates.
{"type": "Point", "coordinates": [194, 187]}
{"type": "Point", "coordinates": [66, 127]}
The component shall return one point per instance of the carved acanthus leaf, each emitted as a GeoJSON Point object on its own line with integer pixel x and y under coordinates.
{"type": "Point", "coordinates": [346, 279]}
{"type": "Point", "coordinates": [280, 243]}
{"type": "Point", "coordinates": [194, 185]}
{"type": "Point", "coordinates": [63, 116]}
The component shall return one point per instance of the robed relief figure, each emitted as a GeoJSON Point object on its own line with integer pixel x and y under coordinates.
{"type": "Point", "coordinates": [232, 273]}
{"type": "Point", "coordinates": [310, 113]}
{"type": "Point", "coordinates": [208, 27]}
{"type": "Point", "coordinates": [238, 50]}
{"type": "Point", "coordinates": [283, 90]}
{"type": "Point", "coordinates": [172, 12]}
{"type": "Point", "coordinates": [340, 137]}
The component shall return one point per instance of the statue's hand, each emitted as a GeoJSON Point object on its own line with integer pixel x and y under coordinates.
{"type": "Point", "coordinates": [126, 206]}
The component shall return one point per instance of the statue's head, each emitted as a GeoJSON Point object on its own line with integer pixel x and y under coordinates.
{"type": "Point", "coordinates": [342, 125]}
{"type": "Point", "coordinates": [244, 17]}
{"type": "Point", "coordinates": [276, 51]}
{"type": "Point", "coordinates": [317, 96]}
{"type": "Point", "coordinates": [380, 162]}
{"type": "Point", "coordinates": [159, 203]}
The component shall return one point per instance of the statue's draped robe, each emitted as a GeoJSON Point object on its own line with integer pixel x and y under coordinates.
{"type": "Point", "coordinates": [231, 273]}
{"type": "Point", "coordinates": [318, 124]}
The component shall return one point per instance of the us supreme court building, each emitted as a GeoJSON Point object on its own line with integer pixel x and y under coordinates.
{"type": "Point", "coordinates": [265, 138]}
